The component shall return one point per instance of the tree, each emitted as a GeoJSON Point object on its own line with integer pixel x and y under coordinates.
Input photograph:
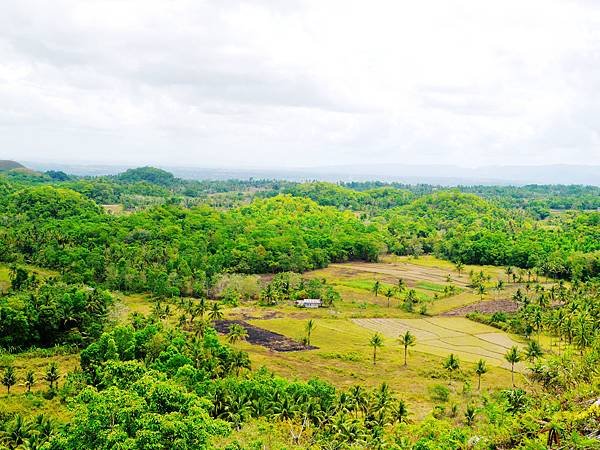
{"type": "Point", "coordinates": [481, 290]}
{"type": "Point", "coordinates": [401, 285]}
{"type": "Point", "coordinates": [389, 293]}
{"type": "Point", "coordinates": [470, 414]}
{"type": "Point", "coordinates": [451, 364]}
{"type": "Point", "coordinates": [400, 413]}
{"type": "Point", "coordinates": [499, 286]}
{"type": "Point", "coordinates": [533, 351]}
{"type": "Point", "coordinates": [236, 332]}
{"type": "Point", "coordinates": [376, 342]}
{"type": "Point", "coordinates": [52, 374]}
{"type": "Point", "coordinates": [310, 327]}
{"type": "Point", "coordinates": [509, 272]}
{"type": "Point", "coordinates": [29, 380]}
{"type": "Point", "coordinates": [459, 267]}
{"type": "Point", "coordinates": [407, 340]}
{"type": "Point", "coordinates": [215, 312]}
{"type": "Point", "coordinates": [9, 379]}
{"type": "Point", "coordinates": [480, 369]}
{"type": "Point", "coordinates": [513, 356]}
{"type": "Point", "coordinates": [376, 287]}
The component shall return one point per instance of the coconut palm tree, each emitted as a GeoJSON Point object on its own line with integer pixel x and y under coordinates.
{"type": "Point", "coordinates": [376, 288]}
{"type": "Point", "coordinates": [236, 333]}
{"type": "Point", "coordinates": [470, 414]}
{"type": "Point", "coordinates": [407, 340]}
{"type": "Point", "coordinates": [451, 364]}
{"type": "Point", "coordinates": [509, 272]}
{"type": "Point", "coordinates": [29, 380]}
{"type": "Point", "coordinates": [513, 356]}
{"type": "Point", "coordinates": [533, 351]}
{"type": "Point", "coordinates": [389, 293]}
{"type": "Point", "coordinates": [9, 379]}
{"type": "Point", "coordinates": [480, 369]}
{"type": "Point", "coordinates": [310, 327]}
{"type": "Point", "coordinates": [52, 374]}
{"type": "Point", "coordinates": [401, 285]}
{"type": "Point", "coordinates": [481, 290]}
{"type": "Point", "coordinates": [459, 267]}
{"type": "Point", "coordinates": [376, 342]}
{"type": "Point", "coordinates": [400, 412]}
{"type": "Point", "coordinates": [215, 312]}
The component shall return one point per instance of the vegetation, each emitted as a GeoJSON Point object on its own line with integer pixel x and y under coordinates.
{"type": "Point", "coordinates": [112, 288]}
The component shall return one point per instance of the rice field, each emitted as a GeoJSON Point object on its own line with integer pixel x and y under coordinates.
{"type": "Point", "coordinates": [441, 336]}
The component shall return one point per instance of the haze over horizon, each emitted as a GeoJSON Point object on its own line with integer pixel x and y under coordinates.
{"type": "Point", "coordinates": [301, 84]}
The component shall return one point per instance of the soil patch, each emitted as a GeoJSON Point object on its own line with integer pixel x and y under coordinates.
{"type": "Point", "coordinates": [489, 307]}
{"type": "Point", "coordinates": [271, 340]}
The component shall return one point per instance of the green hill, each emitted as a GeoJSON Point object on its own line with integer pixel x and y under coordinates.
{"type": "Point", "coordinates": [6, 164]}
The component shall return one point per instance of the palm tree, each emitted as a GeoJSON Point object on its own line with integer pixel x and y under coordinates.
{"type": "Point", "coordinates": [583, 332]}
{"type": "Point", "coordinates": [376, 287]}
{"type": "Point", "coordinates": [533, 351]}
{"type": "Point", "coordinates": [29, 380]}
{"type": "Point", "coordinates": [376, 342]}
{"type": "Point", "coordinates": [52, 375]}
{"type": "Point", "coordinates": [480, 369]}
{"type": "Point", "coordinates": [407, 340]}
{"type": "Point", "coordinates": [499, 286]}
{"type": "Point", "coordinates": [459, 267]}
{"type": "Point", "coordinates": [400, 413]}
{"type": "Point", "coordinates": [481, 290]}
{"type": "Point", "coordinates": [470, 414]}
{"type": "Point", "coordinates": [215, 312]}
{"type": "Point", "coordinates": [513, 356]}
{"type": "Point", "coordinates": [389, 294]}
{"type": "Point", "coordinates": [9, 379]}
{"type": "Point", "coordinates": [509, 272]}
{"type": "Point", "coordinates": [310, 326]}
{"type": "Point", "coordinates": [451, 364]}
{"type": "Point", "coordinates": [401, 285]}
{"type": "Point", "coordinates": [236, 332]}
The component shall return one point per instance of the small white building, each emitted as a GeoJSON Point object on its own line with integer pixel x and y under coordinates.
{"type": "Point", "coordinates": [309, 303]}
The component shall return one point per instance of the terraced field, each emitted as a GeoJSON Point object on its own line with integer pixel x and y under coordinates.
{"type": "Point", "coordinates": [443, 335]}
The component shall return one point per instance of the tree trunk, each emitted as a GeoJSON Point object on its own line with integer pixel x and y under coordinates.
{"type": "Point", "coordinates": [405, 351]}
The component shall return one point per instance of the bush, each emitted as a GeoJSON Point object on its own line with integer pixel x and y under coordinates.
{"type": "Point", "coordinates": [439, 393]}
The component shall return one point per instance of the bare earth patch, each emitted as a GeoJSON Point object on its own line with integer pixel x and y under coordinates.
{"type": "Point", "coordinates": [259, 336]}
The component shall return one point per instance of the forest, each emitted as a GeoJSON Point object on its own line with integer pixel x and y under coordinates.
{"type": "Point", "coordinates": [72, 248]}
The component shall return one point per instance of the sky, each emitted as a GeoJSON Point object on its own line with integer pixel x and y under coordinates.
{"type": "Point", "coordinates": [297, 83]}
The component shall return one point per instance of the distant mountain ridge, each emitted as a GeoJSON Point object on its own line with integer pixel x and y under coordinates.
{"type": "Point", "coordinates": [444, 175]}
{"type": "Point", "coordinates": [7, 164]}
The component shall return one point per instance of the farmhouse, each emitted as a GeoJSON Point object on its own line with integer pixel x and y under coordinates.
{"type": "Point", "coordinates": [309, 303]}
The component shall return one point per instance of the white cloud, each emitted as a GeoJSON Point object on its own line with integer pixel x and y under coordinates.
{"type": "Point", "coordinates": [301, 82]}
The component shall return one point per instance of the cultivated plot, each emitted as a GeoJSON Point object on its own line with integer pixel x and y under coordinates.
{"type": "Point", "coordinates": [444, 335]}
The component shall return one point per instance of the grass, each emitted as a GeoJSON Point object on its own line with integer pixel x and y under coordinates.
{"type": "Point", "coordinates": [344, 358]}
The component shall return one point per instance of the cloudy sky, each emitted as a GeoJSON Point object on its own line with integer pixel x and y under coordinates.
{"type": "Point", "coordinates": [300, 83]}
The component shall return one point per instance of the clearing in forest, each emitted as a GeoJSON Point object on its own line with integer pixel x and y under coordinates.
{"type": "Point", "coordinates": [444, 335]}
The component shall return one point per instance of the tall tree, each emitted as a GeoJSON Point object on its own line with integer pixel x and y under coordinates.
{"type": "Point", "coordinates": [407, 340]}
{"type": "Point", "coordinates": [9, 378]}
{"type": "Point", "coordinates": [480, 369]}
{"type": "Point", "coordinates": [389, 293]}
{"type": "Point", "coordinates": [376, 342]}
{"type": "Point", "coordinates": [451, 364]}
{"type": "Point", "coordinates": [376, 288]}
{"type": "Point", "coordinates": [513, 356]}
{"type": "Point", "coordinates": [52, 374]}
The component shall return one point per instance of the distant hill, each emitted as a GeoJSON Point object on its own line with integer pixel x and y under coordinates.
{"type": "Point", "coordinates": [6, 164]}
{"type": "Point", "coordinates": [445, 175]}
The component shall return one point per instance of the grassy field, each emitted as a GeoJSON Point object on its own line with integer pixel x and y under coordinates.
{"type": "Point", "coordinates": [342, 333]}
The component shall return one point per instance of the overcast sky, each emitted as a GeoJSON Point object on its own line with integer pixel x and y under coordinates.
{"type": "Point", "coordinates": [300, 83]}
